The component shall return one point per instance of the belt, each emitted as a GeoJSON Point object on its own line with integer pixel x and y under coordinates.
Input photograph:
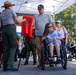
{"type": "Point", "coordinates": [7, 25]}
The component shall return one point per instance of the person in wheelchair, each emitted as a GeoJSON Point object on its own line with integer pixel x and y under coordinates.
{"type": "Point", "coordinates": [53, 39]}
{"type": "Point", "coordinates": [72, 46]}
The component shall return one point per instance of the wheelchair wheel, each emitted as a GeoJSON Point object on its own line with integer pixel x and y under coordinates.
{"type": "Point", "coordinates": [64, 57]}
{"type": "Point", "coordinates": [70, 57]}
{"type": "Point", "coordinates": [42, 58]}
{"type": "Point", "coordinates": [75, 55]}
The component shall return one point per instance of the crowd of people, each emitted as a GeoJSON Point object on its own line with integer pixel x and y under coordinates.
{"type": "Point", "coordinates": [45, 29]}
{"type": "Point", "coordinates": [72, 46]}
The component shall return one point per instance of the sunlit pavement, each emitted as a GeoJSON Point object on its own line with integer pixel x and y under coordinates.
{"type": "Point", "coordinates": [34, 70]}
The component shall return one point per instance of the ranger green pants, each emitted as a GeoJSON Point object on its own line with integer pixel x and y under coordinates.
{"type": "Point", "coordinates": [30, 46]}
{"type": "Point", "coordinates": [9, 45]}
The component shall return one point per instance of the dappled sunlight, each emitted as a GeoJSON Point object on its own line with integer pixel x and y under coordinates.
{"type": "Point", "coordinates": [72, 62]}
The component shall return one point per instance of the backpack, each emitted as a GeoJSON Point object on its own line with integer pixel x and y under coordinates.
{"type": "Point", "coordinates": [23, 53]}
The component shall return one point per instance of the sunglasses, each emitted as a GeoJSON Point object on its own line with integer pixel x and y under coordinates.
{"type": "Point", "coordinates": [50, 26]}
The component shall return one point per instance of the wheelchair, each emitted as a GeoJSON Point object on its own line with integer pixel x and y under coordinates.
{"type": "Point", "coordinates": [72, 54]}
{"type": "Point", "coordinates": [45, 56]}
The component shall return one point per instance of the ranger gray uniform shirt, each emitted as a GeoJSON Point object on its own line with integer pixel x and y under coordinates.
{"type": "Point", "coordinates": [8, 17]}
{"type": "Point", "coordinates": [40, 22]}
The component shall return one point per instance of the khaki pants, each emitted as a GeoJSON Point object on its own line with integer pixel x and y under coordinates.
{"type": "Point", "coordinates": [30, 46]}
{"type": "Point", "coordinates": [38, 46]}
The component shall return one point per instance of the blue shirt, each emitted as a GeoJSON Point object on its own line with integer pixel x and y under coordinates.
{"type": "Point", "coordinates": [53, 35]}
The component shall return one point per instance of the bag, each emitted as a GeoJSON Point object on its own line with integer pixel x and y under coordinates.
{"type": "Point", "coordinates": [63, 41]}
{"type": "Point", "coordinates": [27, 26]}
{"type": "Point", "coordinates": [23, 53]}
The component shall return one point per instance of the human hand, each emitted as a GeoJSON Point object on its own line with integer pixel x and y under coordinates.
{"type": "Point", "coordinates": [48, 37]}
{"type": "Point", "coordinates": [27, 22]}
{"type": "Point", "coordinates": [24, 20]}
{"type": "Point", "coordinates": [55, 39]}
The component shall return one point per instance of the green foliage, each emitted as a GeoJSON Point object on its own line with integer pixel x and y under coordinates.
{"type": "Point", "coordinates": [68, 18]}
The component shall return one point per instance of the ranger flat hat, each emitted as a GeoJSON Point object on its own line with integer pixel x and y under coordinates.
{"type": "Point", "coordinates": [8, 3]}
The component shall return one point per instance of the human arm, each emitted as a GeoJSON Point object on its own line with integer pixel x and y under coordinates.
{"type": "Point", "coordinates": [52, 22]}
{"type": "Point", "coordinates": [66, 35]}
{"type": "Point", "coordinates": [17, 19]}
{"type": "Point", "coordinates": [71, 45]}
{"type": "Point", "coordinates": [46, 37]}
{"type": "Point", "coordinates": [66, 38]}
{"type": "Point", "coordinates": [58, 36]}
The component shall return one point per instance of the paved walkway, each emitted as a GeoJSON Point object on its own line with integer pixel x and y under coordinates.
{"type": "Point", "coordinates": [33, 70]}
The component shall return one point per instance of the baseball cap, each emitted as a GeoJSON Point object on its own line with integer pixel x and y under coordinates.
{"type": "Point", "coordinates": [40, 7]}
{"type": "Point", "coordinates": [58, 21]}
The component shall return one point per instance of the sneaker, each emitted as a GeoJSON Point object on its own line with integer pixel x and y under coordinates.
{"type": "Point", "coordinates": [26, 63]}
{"type": "Point", "coordinates": [39, 65]}
{"type": "Point", "coordinates": [59, 59]}
{"type": "Point", "coordinates": [13, 69]}
{"type": "Point", "coordinates": [51, 59]}
{"type": "Point", "coordinates": [34, 62]}
{"type": "Point", "coordinates": [10, 69]}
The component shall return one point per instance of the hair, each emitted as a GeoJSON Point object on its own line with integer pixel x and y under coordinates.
{"type": "Point", "coordinates": [46, 29]}
{"type": "Point", "coordinates": [58, 23]}
{"type": "Point", "coordinates": [6, 7]}
{"type": "Point", "coordinates": [74, 39]}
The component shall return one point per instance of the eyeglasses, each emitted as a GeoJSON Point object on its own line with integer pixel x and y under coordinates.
{"type": "Point", "coordinates": [50, 26]}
